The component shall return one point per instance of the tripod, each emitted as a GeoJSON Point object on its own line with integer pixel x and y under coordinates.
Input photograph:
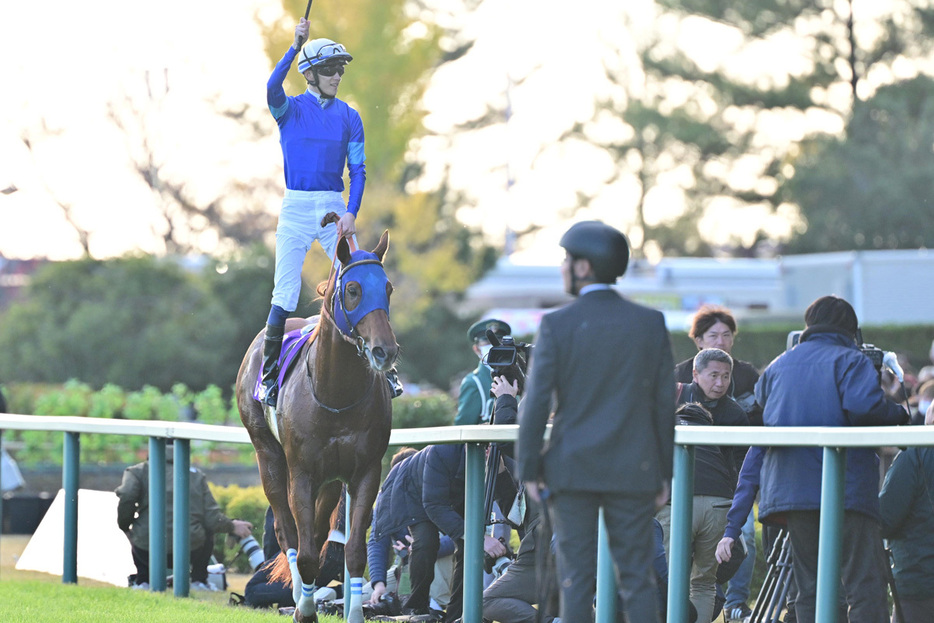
{"type": "Point", "coordinates": [774, 589]}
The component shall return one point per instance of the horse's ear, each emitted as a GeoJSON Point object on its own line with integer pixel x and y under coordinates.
{"type": "Point", "coordinates": [383, 246]}
{"type": "Point", "coordinates": [343, 251]}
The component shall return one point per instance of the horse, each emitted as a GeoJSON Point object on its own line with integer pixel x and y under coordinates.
{"type": "Point", "coordinates": [331, 424]}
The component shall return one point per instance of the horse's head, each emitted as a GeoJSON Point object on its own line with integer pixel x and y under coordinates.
{"type": "Point", "coordinates": [360, 303]}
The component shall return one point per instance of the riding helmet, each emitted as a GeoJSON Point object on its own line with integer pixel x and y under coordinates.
{"type": "Point", "coordinates": [606, 247]}
{"type": "Point", "coordinates": [318, 52]}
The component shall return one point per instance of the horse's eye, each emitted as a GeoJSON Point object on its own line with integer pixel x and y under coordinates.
{"type": "Point", "coordinates": [352, 292]}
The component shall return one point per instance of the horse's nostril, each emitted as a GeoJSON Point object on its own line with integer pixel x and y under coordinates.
{"type": "Point", "coordinates": [379, 353]}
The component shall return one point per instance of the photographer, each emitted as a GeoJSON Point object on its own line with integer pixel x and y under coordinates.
{"type": "Point", "coordinates": [827, 381]}
{"type": "Point", "coordinates": [474, 403]}
{"type": "Point", "coordinates": [205, 516]}
{"type": "Point", "coordinates": [907, 506]}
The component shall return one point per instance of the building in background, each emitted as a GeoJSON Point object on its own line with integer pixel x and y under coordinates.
{"type": "Point", "coordinates": [877, 283]}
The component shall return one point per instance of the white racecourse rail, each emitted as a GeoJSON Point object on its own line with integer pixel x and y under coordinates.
{"type": "Point", "coordinates": [833, 440]}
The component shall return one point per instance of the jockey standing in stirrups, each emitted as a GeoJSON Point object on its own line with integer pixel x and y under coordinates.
{"type": "Point", "coordinates": [318, 133]}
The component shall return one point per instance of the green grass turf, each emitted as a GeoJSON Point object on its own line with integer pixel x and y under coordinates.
{"type": "Point", "coordinates": [36, 601]}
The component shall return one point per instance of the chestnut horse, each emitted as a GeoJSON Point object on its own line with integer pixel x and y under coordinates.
{"type": "Point", "coordinates": [333, 419]}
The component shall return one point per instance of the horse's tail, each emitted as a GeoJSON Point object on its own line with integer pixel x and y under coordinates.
{"type": "Point", "coordinates": [280, 571]}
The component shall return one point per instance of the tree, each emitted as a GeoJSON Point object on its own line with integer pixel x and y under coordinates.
{"type": "Point", "coordinates": [871, 189]}
{"type": "Point", "coordinates": [187, 221]}
{"type": "Point", "coordinates": [131, 322]}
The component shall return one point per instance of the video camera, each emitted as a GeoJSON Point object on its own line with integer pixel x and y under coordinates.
{"type": "Point", "coordinates": [508, 358]}
{"type": "Point", "coordinates": [877, 356]}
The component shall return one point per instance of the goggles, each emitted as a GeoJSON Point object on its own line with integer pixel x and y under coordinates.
{"type": "Point", "coordinates": [329, 70]}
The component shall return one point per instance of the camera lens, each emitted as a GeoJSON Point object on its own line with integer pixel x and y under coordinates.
{"type": "Point", "coordinates": [499, 567]}
{"type": "Point", "coordinates": [253, 552]}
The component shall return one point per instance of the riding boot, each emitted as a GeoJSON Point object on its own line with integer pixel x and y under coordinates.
{"type": "Point", "coordinates": [395, 385]}
{"type": "Point", "coordinates": [272, 346]}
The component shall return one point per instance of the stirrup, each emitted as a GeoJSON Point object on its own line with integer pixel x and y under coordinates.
{"type": "Point", "coordinates": [395, 385]}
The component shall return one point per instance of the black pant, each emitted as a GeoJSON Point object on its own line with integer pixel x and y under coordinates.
{"type": "Point", "coordinates": [200, 558]}
{"type": "Point", "coordinates": [425, 545]}
{"type": "Point", "coordinates": [260, 592]}
{"type": "Point", "coordinates": [629, 528]}
{"type": "Point", "coordinates": [862, 568]}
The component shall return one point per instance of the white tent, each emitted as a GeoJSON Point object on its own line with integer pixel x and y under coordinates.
{"type": "Point", "coordinates": [103, 550]}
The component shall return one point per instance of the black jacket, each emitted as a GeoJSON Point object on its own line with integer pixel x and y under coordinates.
{"type": "Point", "coordinates": [717, 468]}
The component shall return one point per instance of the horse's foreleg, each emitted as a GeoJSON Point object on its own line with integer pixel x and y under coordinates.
{"type": "Point", "coordinates": [361, 511]}
{"type": "Point", "coordinates": [304, 562]}
{"type": "Point", "coordinates": [274, 474]}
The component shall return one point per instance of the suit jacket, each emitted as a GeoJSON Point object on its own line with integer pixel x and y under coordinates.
{"type": "Point", "coordinates": [608, 363]}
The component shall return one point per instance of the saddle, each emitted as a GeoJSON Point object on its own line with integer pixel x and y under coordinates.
{"type": "Point", "coordinates": [292, 344]}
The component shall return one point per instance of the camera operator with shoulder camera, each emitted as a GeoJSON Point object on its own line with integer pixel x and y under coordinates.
{"type": "Point", "coordinates": [826, 380]}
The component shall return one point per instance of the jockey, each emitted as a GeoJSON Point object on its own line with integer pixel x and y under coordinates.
{"type": "Point", "coordinates": [319, 134]}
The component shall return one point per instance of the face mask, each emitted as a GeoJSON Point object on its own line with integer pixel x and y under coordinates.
{"type": "Point", "coordinates": [484, 350]}
{"type": "Point", "coordinates": [923, 407]}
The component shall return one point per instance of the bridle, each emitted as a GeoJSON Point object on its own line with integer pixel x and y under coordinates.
{"type": "Point", "coordinates": [346, 325]}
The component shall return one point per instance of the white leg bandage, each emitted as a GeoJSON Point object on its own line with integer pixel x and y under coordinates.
{"type": "Point", "coordinates": [354, 605]}
{"type": "Point", "coordinates": [292, 556]}
{"type": "Point", "coordinates": [306, 605]}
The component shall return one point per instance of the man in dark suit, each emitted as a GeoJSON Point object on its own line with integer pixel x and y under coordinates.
{"type": "Point", "coordinates": [608, 364]}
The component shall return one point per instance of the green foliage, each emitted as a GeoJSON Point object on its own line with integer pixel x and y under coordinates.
{"type": "Point", "coordinates": [131, 321]}
{"type": "Point", "coordinates": [872, 188]}
{"type": "Point", "coordinates": [423, 411]}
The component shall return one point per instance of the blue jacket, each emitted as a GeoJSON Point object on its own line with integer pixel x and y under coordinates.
{"type": "Point", "coordinates": [318, 137]}
{"type": "Point", "coordinates": [823, 381]}
{"type": "Point", "coordinates": [427, 486]}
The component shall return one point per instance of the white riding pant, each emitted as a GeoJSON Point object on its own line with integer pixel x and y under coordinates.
{"type": "Point", "coordinates": [299, 226]}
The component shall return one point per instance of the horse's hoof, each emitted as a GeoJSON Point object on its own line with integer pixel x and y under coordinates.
{"type": "Point", "coordinates": [298, 617]}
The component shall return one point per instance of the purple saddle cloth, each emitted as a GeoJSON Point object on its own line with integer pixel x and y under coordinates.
{"type": "Point", "coordinates": [292, 344]}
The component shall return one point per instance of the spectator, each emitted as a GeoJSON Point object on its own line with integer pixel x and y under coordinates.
{"type": "Point", "coordinates": [715, 327]}
{"type": "Point", "coordinates": [925, 396]}
{"type": "Point", "coordinates": [826, 381]}
{"type": "Point", "coordinates": [607, 364]}
{"type": "Point", "coordinates": [206, 520]}
{"type": "Point", "coordinates": [474, 403]}
{"type": "Point", "coordinates": [907, 508]}
{"type": "Point", "coordinates": [714, 483]}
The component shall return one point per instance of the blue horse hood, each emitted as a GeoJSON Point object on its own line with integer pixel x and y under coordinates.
{"type": "Point", "coordinates": [366, 269]}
